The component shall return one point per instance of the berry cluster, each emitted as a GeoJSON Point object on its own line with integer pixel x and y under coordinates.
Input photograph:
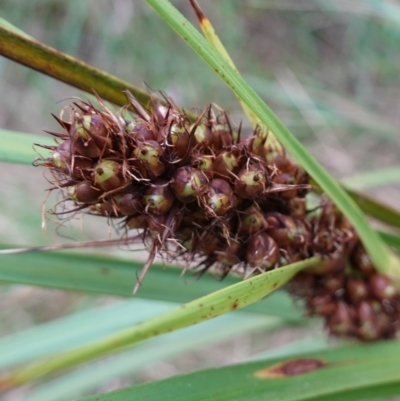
{"type": "Point", "coordinates": [204, 192]}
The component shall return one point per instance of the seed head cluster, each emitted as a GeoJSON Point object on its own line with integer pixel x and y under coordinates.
{"type": "Point", "coordinates": [203, 192]}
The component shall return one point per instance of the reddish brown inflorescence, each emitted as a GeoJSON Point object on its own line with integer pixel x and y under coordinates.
{"type": "Point", "coordinates": [205, 193]}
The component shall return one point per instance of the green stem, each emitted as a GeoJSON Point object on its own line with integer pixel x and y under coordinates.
{"type": "Point", "coordinates": [27, 51]}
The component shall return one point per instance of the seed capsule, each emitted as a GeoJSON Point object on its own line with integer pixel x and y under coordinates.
{"type": "Point", "coordinates": [286, 179]}
{"type": "Point", "coordinates": [80, 167]}
{"type": "Point", "coordinates": [61, 157]}
{"type": "Point", "coordinates": [341, 322]}
{"type": "Point", "coordinates": [381, 287]}
{"type": "Point", "coordinates": [158, 225]}
{"type": "Point", "coordinates": [129, 126]}
{"type": "Point", "coordinates": [208, 243]}
{"type": "Point", "coordinates": [323, 242]}
{"type": "Point", "coordinates": [107, 175]}
{"type": "Point", "coordinates": [290, 256]}
{"type": "Point", "coordinates": [187, 238]}
{"type": "Point", "coordinates": [179, 139]}
{"type": "Point", "coordinates": [225, 163]}
{"type": "Point", "coordinates": [219, 197]}
{"type": "Point", "coordinates": [203, 163]}
{"type": "Point", "coordinates": [138, 222]}
{"type": "Point", "coordinates": [252, 220]}
{"type": "Point", "coordinates": [280, 161]}
{"type": "Point", "coordinates": [195, 214]}
{"type": "Point", "coordinates": [84, 192]}
{"type": "Point", "coordinates": [86, 148]}
{"type": "Point", "coordinates": [141, 131]}
{"type": "Point", "coordinates": [229, 255]}
{"type": "Point", "coordinates": [89, 136]}
{"type": "Point", "coordinates": [362, 261]}
{"type": "Point", "coordinates": [105, 209]}
{"type": "Point", "coordinates": [322, 305]}
{"type": "Point", "coordinates": [356, 290]}
{"type": "Point", "coordinates": [148, 154]}
{"type": "Point", "coordinates": [298, 207]}
{"type": "Point", "coordinates": [128, 204]}
{"type": "Point", "coordinates": [329, 214]}
{"type": "Point", "coordinates": [262, 252]}
{"type": "Point", "coordinates": [335, 264]}
{"type": "Point", "coordinates": [158, 199]}
{"type": "Point", "coordinates": [224, 133]}
{"type": "Point", "coordinates": [251, 182]}
{"type": "Point", "coordinates": [333, 283]}
{"type": "Point", "coordinates": [90, 124]}
{"type": "Point", "coordinates": [257, 141]}
{"type": "Point", "coordinates": [187, 183]}
{"type": "Point", "coordinates": [303, 284]}
{"type": "Point", "coordinates": [288, 231]}
{"type": "Point", "coordinates": [203, 135]}
{"type": "Point", "coordinates": [369, 328]}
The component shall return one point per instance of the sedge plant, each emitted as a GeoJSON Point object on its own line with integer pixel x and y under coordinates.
{"type": "Point", "coordinates": [202, 191]}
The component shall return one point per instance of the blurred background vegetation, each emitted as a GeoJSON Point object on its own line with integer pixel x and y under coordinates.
{"type": "Point", "coordinates": [330, 70]}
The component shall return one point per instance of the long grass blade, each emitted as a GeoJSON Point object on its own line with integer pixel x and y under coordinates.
{"type": "Point", "coordinates": [215, 41]}
{"type": "Point", "coordinates": [356, 372]}
{"type": "Point", "coordinates": [17, 147]}
{"type": "Point", "coordinates": [384, 260]}
{"type": "Point", "coordinates": [371, 206]}
{"type": "Point", "coordinates": [33, 54]}
{"type": "Point", "coordinates": [75, 330]}
{"type": "Point", "coordinates": [375, 208]}
{"type": "Point", "coordinates": [112, 276]}
{"type": "Point", "coordinates": [87, 378]}
{"type": "Point", "coordinates": [373, 179]}
{"type": "Point", "coordinates": [391, 239]}
{"type": "Point", "coordinates": [228, 299]}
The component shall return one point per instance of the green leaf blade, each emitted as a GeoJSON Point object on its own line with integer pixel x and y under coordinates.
{"type": "Point", "coordinates": [17, 147]}
{"type": "Point", "coordinates": [228, 299]}
{"type": "Point", "coordinates": [112, 276]}
{"type": "Point", "coordinates": [89, 377]}
{"type": "Point", "coordinates": [347, 373]}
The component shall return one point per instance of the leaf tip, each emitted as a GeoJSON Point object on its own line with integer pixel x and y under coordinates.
{"type": "Point", "coordinates": [199, 13]}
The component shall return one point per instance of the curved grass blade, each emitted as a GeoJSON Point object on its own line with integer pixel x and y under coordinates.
{"type": "Point", "coordinates": [33, 54]}
{"type": "Point", "coordinates": [215, 41]}
{"type": "Point", "coordinates": [87, 378]}
{"type": "Point", "coordinates": [391, 239]}
{"type": "Point", "coordinates": [373, 179]}
{"type": "Point", "coordinates": [16, 147]}
{"type": "Point", "coordinates": [76, 329]}
{"type": "Point", "coordinates": [346, 373]}
{"type": "Point", "coordinates": [85, 326]}
{"type": "Point", "coordinates": [375, 209]}
{"type": "Point", "coordinates": [384, 260]}
{"type": "Point", "coordinates": [112, 276]}
{"type": "Point", "coordinates": [228, 299]}
{"type": "Point", "coordinates": [370, 206]}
